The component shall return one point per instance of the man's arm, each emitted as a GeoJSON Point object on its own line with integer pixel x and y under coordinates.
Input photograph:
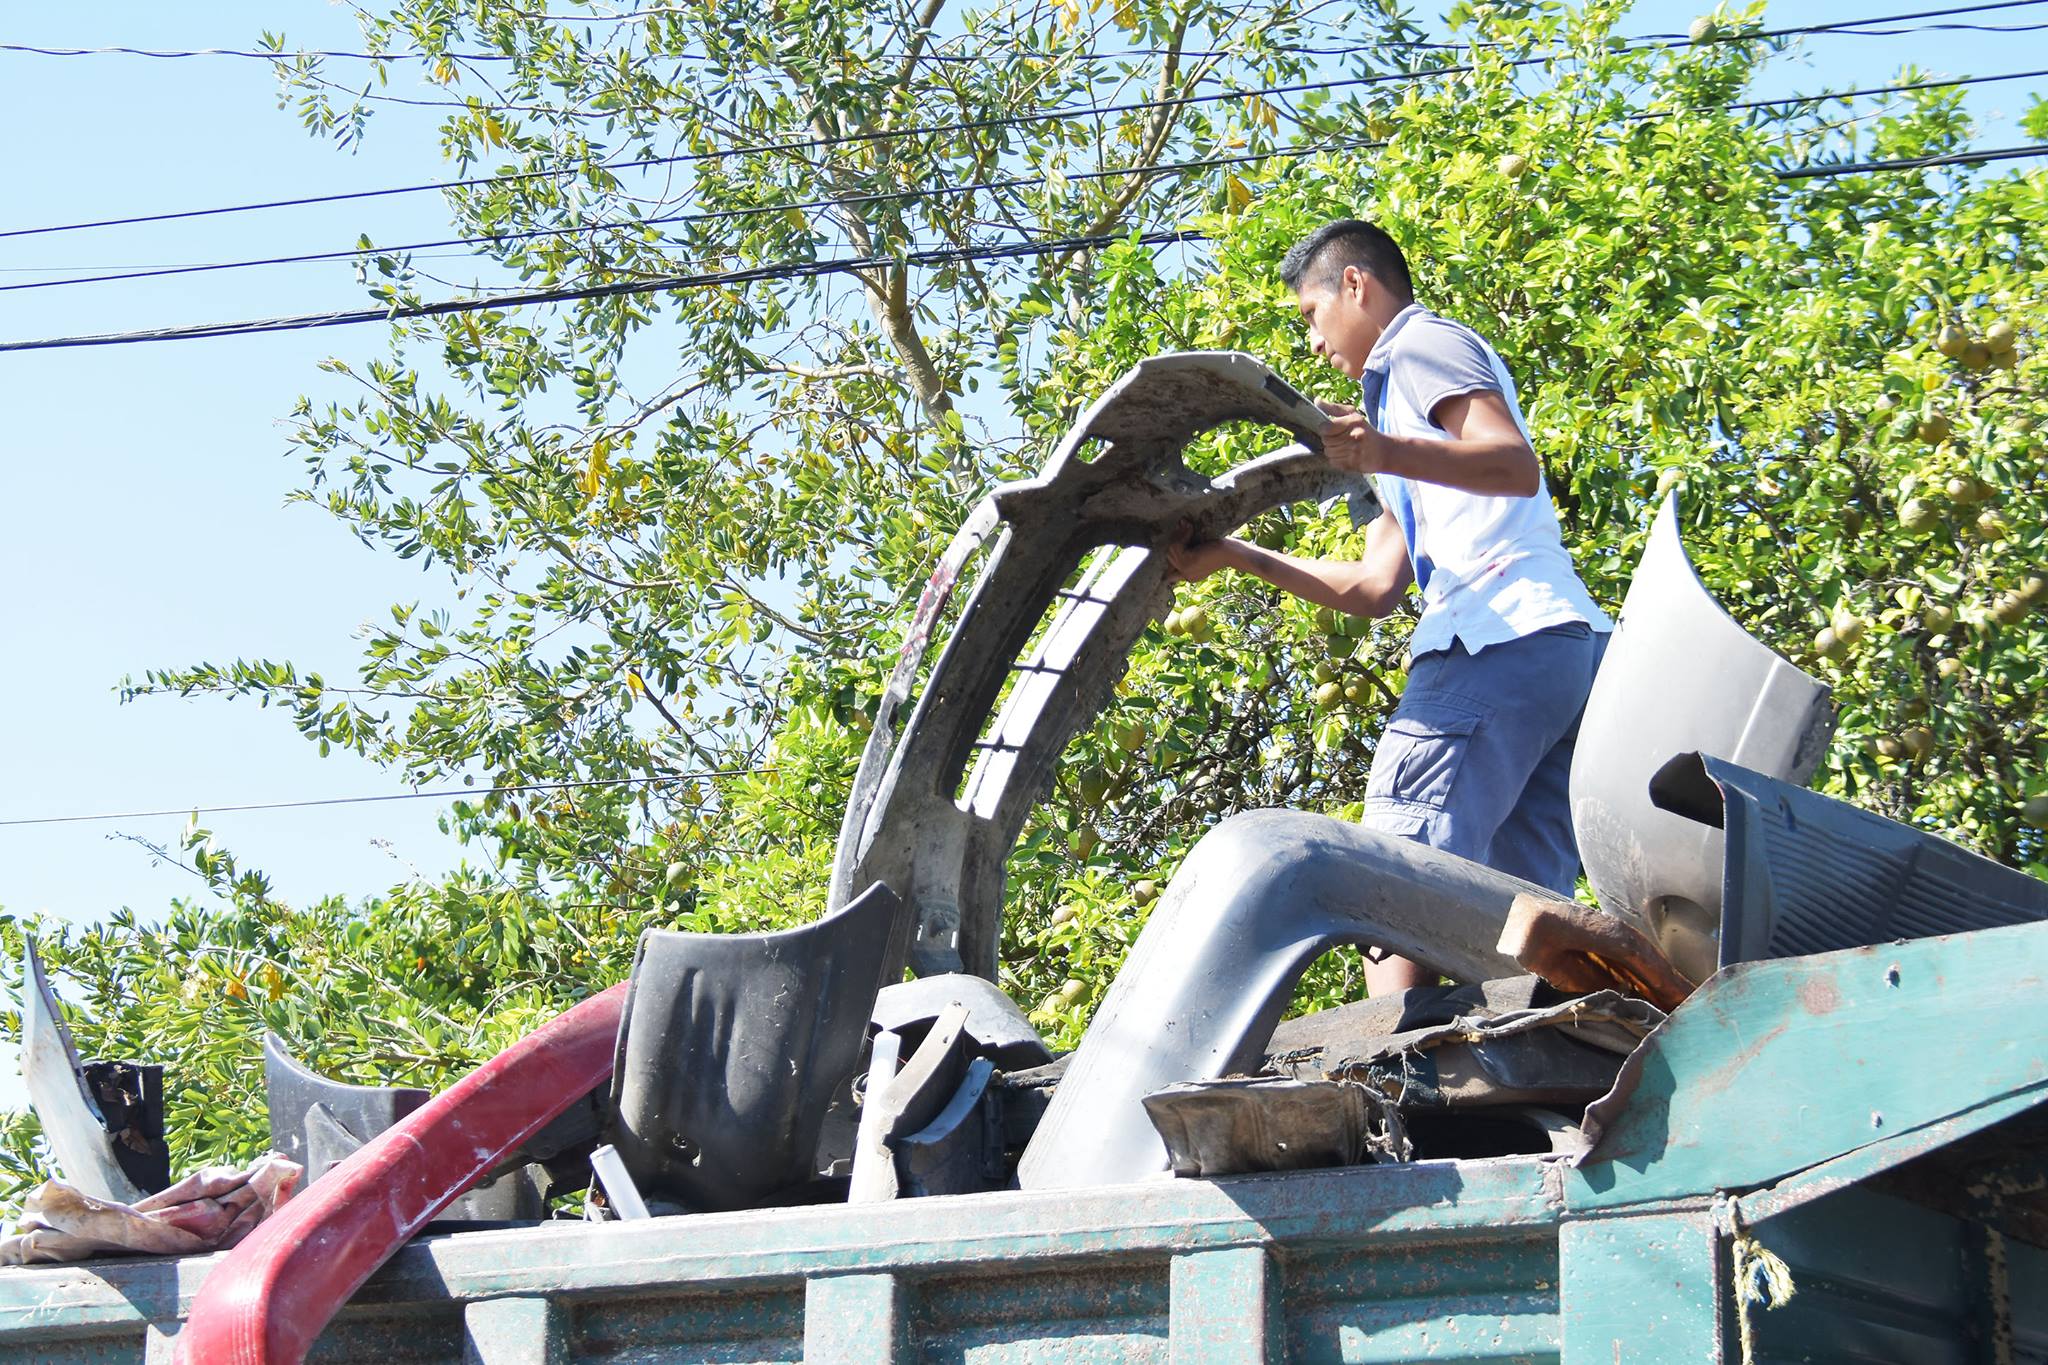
{"type": "Point", "coordinates": [1486, 452]}
{"type": "Point", "coordinates": [1369, 586]}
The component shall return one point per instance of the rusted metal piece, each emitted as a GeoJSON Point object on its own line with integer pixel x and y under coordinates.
{"type": "Point", "coordinates": [1680, 675]}
{"type": "Point", "coordinates": [935, 815]}
{"type": "Point", "coordinates": [1578, 949]}
{"type": "Point", "coordinates": [1468, 1047]}
{"type": "Point", "coordinates": [1246, 1124]}
{"type": "Point", "coordinates": [1259, 898]}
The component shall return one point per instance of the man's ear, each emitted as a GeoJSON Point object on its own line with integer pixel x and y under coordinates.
{"type": "Point", "coordinates": [1353, 282]}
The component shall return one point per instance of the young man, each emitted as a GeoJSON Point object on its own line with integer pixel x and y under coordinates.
{"type": "Point", "coordinates": [1475, 758]}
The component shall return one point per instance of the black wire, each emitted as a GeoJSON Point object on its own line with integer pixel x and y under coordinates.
{"type": "Point", "coordinates": [264, 56]}
{"type": "Point", "coordinates": [1407, 44]}
{"type": "Point", "coordinates": [438, 794]}
{"type": "Point", "coordinates": [814, 269]}
{"type": "Point", "coordinates": [940, 192]}
{"type": "Point", "coordinates": [782, 271]}
{"type": "Point", "coordinates": [713, 215]}
{"type": "Point", "coordinates": [889, 134]}
{"type": "Point", "coordinates": [1831, 169]}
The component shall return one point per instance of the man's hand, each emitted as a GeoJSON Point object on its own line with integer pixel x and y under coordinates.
{"type": "Point", "coordinates": [1352, 443]}
{"type": "Point", "coordinates": [1193, 561]}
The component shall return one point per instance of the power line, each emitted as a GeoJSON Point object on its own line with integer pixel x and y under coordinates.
{"type": "Point", "coordinates": [888, 196]}
{"type": "Point", "coordinates": [717, 215]}
{"type": "Point", "coordinates": [1910, 163]}
{"type": "Point", "coordinates": [438, 794]}
{"type": "Point", "coordinates": [279, 56]}
{"type": "Point", "coordinates": [1125, 54]}
{"type": "Point", "coordinates": [890, 134]}
{"type": "Point", "coordinates": [781, 271]}
{"type": "Point", "coordinates": [815, 269]}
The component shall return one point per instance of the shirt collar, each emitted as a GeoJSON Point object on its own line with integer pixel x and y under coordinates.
{"type": "Point", "coordinates": [1383, 349]}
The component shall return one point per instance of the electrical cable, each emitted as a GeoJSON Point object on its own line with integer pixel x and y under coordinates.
{"type": "Point", "coordinates": [946, 191]}
{"type": "Point", "coordinates": [814, 269]}
{"type": "Point", "coordinates": [1828, 170]}
{"type": "Point", "coordinates": [718, 215]}
{"type": "Point", "coordinates": [439, 793]}
{"type": "Point", "coordinates": [753, 274]}
{"type": "Point", "coordinates": [888, 134]}
{"type": "Point", "coordinates": [889, 196]}
{"type": "Point", "coordinates": [1406, 44]}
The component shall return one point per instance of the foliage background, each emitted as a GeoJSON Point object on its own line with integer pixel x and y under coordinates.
{"type": "Point", "coordinates": [679, 529]}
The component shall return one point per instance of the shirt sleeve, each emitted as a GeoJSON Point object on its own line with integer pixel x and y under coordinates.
{"type": "Point", "coordinates": [1441, 360]}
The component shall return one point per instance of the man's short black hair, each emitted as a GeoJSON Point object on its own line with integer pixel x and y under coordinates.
{"type": "Point", "coordinates": [1319, 259]}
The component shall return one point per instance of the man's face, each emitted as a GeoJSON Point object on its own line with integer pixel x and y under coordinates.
{"type": "Point", "coordinates": [1340, 325]}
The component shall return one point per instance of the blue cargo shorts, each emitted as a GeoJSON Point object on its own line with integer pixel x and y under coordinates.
{"type": "Point", "coordinates": [1477, 758]}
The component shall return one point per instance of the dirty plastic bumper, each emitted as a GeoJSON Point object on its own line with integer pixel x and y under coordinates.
{"type": "Point", "coordinates": [1680, 675]}
{"type": "Point", "coordinates": [920, 818]}
{"type": "Point", "coordinates": [1259, 898]}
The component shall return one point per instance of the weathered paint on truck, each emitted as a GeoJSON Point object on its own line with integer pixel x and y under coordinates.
{"type": "Point", "coordinates": [1868, 1118]}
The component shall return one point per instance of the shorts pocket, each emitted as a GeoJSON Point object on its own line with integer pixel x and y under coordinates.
{"type": "Point", "coordinates": [1419, 755]}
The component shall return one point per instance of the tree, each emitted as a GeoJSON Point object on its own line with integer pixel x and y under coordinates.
{"type": "Point", "coordinates": [687, 590]}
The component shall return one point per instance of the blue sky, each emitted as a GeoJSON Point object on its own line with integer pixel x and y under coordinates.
{"type": "Point", "coordinates": [144, 521]}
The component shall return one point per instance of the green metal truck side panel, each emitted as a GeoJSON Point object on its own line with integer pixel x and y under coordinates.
{"type": "Point", "coordinates": [1645, 1289]}
{"type": "Point", "coordinates": [1752, 1114]}
{"type": "Point", "coordinates": [1773, 1067]}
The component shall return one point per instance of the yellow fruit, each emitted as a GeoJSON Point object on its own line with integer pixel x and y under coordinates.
{"type": "Point", "coordinates": [1062, 915]}
{"type": "Point", "coordinates": [1919, 741]}
{"type": "Point", "coordinates": [1072, 989]}
{"type": "Point", "coordinates": [1933, 429]}
{"type": "Point", "coordinates": [1704, 29]}
{"type": "Point", "coordinates": [1849, 629]}
{"type": "Point", "coordinates": [1991, 526]}
{"type": "Point", "coordinates": [1668, 480]}
{"type": "Point", "coordinates": [2004, 360]}
{"type": "Point", "coordinates": [1130, 738]}
{"type": "Point", "coordinates": [2032, 589]}
{"type": "Point", "coordinates": [1937, 618]}
{"type": "Point", "coordinates": [1083, 842]}
{"type": "Point", "coordinates": [1887, 747]}
{"type": "Point", "coordinates": [1948, 668]}
{"type": "Point", "coordinates": [1326, 620]}
{"type": "Point", "coordinates": [2007, 608]}
{"type": "Point", "coordinates": [675, 874]}
{"type": "Point", "coordinates": [1514, 165]}
{"type": "Point", "coordinates": [1916, 515]}
{"type": "Point", "coordinates": [1326, 672]}
{"type": "Point", "coordinates": [1951, 341]}
{"type": "Point", "coordinates": [2034, 810]}
{"type": "Point", "coordinates": [1145, 892]}
{"type": "Point", "coordinates": [1354, 692]}
{"type": "Point", "coordinates": [1328, 695]}
{"type": "Point", "coordinates": [2001, 336]}
{"type": "Point", "coordinates": [1963, 489]}
{"type": "Point", "coordinates": [1174, 621]}
{"type": "Point", "coordinates": [1975, 356]}
{"type": "Point", "coordinates": [1195, 621]}
{"type": "Point", "coordinates": [1094, 786]}
{"type": "Point", "coordinates": [1829, 645]}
